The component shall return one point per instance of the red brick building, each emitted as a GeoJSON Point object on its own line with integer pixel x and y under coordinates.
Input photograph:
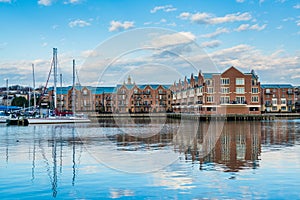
{"type": "Point", "coordinates": [230, 92]}
{"type": "Point", "coordinates": [278, 97]}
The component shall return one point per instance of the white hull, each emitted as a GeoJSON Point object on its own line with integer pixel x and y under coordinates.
{"type": "Point", "coordinates": [57, 120]}
{"type": "Point", "coordinates": [2, 120]}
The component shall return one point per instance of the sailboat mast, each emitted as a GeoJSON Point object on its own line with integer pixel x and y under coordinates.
{"type": "Point", "coordinates": [55, 76]}
{"type": "Point", "coordinates": [7, 93]}
{"type": "Point", "coordinates": [33, 79]}
{"type": "Point", "coordinates": [61, 99]}
{"type": "Point", "coordinates": [73, 90]}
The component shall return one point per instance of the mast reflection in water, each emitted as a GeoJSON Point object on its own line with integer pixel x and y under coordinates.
{"type": "Point", "coordinates": [54, 161]}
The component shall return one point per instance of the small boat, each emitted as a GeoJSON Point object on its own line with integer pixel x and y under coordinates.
{"type": "Point", "coordinates": [58, 120]}
{"type": "Point", "coordinates": [17, 122]}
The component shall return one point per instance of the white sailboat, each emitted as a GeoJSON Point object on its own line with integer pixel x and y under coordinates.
{"type": "Point", "coordinates": [60, 119]}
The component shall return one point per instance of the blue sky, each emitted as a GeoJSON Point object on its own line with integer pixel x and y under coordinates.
{"type": "Point", "coordinates": [263, 35]}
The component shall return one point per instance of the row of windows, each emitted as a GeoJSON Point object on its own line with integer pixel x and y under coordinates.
{"type": "Point", "coordinates": [238, 100]}
{"type": "Point", "coordinates": [238, 90]}
{"type": "Point", "coordinates": [282, 90]}
{"type": "Point", "coordinates": [238, 81]}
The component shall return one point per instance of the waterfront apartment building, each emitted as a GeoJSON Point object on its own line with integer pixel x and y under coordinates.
{"type": "Point", "coordinates": [278, 97]}
{"type": "Point", "coordinates": [230, 92]}
{"type": "Point", "coordinates": [124, 98]}
{"type": "Point", "coordinates": [130, 97]}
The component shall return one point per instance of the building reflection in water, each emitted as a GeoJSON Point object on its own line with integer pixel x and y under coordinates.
{"type": "Point", "coordinates": [237, 147]}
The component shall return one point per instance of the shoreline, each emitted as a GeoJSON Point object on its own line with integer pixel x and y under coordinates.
{"type": "Point", "coordinates": [228, 117]}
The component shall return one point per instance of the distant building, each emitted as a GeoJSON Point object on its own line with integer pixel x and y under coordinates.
{"type": "Point", "coordinates": [127, 97]}
{"type": "Point", "coordinates": [131, 97]}
{"type": "Point", "coordinates": [230, 92]}
{"type": "Point", "coordinates": [278, 97]}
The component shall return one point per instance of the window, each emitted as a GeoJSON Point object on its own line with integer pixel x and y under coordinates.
{"type": "Point", "coordinates": [240, 100]}
{"type": "Point", "coordinates": [210, 90]}
{"type": "Point", "coordinates": [225, 81]}
{"type": "Point", "coordinates": [254, 90]}
{"type": "Point", "coordinates": [209, 99]}
{"type": "Point", "coordinates": [208, 82]}
{"type": "Point", "coordinates": [283, 101]}
{"type": "Point", "coordinates": [240, 81]}
{"type": "Point", "coordinates": [240, 90]}
{"type": "Point", "coordinates": [224, 100]}
{"type": "Point", "coordinates": [254, 99]}
{"type": "Point", "coordinates": [268, 91]}
{"type": "Point", "coordinates": [274, 108]}
{"type": "Point", "coordinates": [274, 101]}
{"type": "Point", "coordinates": [85, 92]}
{"type": "Point", "coordinates": [268, 103]}
{"type": "Point", "coordinates": [225, 90]}
{"type": "Point", "coordinates": [283, 108]}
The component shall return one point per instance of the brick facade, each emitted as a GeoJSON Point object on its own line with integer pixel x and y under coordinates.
{"type": "Point", "coordinates": [230, 92]}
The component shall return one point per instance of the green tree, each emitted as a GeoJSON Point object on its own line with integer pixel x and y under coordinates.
{"type": "Point", "coordinates": [19, 101]}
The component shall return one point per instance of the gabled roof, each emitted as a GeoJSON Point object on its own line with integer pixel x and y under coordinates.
{"type": "Point", "coordinates": [275, 86]}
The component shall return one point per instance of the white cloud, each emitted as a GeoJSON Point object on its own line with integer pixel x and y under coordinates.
{"type": "Point", "coordinates": [240, 1]}
{"type": "Point", "coordinates": [184, 15]}
{"type": "Point", "coordinates": [45, 2]}
{"type": "Point", "coordinates": [5, 1]}
{"type": "Point", "coordinates": [173, 39]}
{"type": "Point", "coordinates": [244, 27]}
{"type": "Point", "coordinates": [218, 32]}
{"type": "Point", "coordinates": [166, 8]}
{"type": "Point", "coordinates": [207, 18]}
{"type": "Point", "coordinates": [298, 23]}
{"type": "Point", "coordinates": [211, 44]}
{"type": "Point", "coordinates": [79, 23]}
{"type": "Point", "coordinates": [72, 2]}
{"type": "Point", "coordinates": [297, 6]}
{"type": "Point", "coordinates": [261, 1]}
{"type": "Point", "coordinates": [118, 26]}
{"type": "Point", "coordinates": [269, 66]}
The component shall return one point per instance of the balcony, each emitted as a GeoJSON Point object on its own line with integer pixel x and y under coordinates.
{"type": "Point", "coordinates": [199, 102]}
{"type": "Point", "coordinates": [290, 92]}
{"type": "Point", "coordinates": [163, 93]}
{"type": "Point", "coordinates": [268, 105]}
{"type": "Point", "coordinates": [268, 92]}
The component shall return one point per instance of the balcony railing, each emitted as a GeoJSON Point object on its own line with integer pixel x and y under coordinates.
{"type": "Point", "coordinates": [199, 102]}
{"type": "Point", "coordinates": [163, 93]}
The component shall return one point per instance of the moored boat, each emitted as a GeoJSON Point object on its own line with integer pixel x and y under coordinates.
{"type": "Point", "coordinates": [17, 122]}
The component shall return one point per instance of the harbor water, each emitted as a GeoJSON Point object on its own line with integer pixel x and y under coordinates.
{"type": "Point", "coordinates": [151, 159]}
